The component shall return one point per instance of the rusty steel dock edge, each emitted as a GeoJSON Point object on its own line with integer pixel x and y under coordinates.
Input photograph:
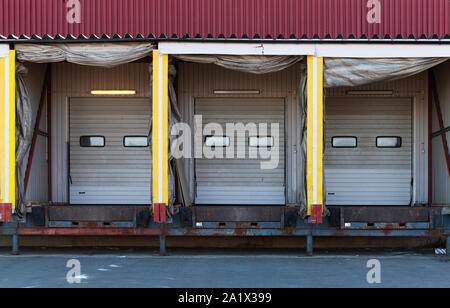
{"type": "Point", "coordinates": [438, 225]}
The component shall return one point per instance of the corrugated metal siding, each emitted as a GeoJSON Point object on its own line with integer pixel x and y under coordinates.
{"type": "Point", "coordinates": [414, 87]}
{"type": "Point", "coordinates": [200, 80]}
{"type": "Point", "coordinates": [441, 179]}
{"type": "Point", "coordinates": [234, 180]}
{"type": "Point", "coordinates": [71, 80]}
{"type": "Point", "coordinates": [239, 17]}
{"type": "Point", "coordinates": [113, 174]}
{"type": "Point", "coordinates": [367, 175]}
{"type": "Point", "coordinates": [37, 185]}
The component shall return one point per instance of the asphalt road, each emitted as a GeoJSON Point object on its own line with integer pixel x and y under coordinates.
{"type": "Point", "coordinates": [229, 269]}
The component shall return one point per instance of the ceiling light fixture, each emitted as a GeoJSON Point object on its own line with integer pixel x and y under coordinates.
{"type": "Point", "coordinates": [113, 92]}
{"type": "Point", "coordinates": [370, 92]}
{"type": "Point", "coordinates": [237, 91]}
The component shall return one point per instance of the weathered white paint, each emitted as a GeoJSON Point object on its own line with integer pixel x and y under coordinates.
{"type": "Point", "coordinates": [4, 50]}
{"type": "Point", "coordinates": [5, 122]}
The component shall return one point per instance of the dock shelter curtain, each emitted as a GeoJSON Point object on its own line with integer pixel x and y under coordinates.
{"type": "Point", "coordinates": [352, 72]}
{"type": "Point", "coordinates": [246, 64]}
{"type": "Point", "coordinates": [338, 72]}
{"type": "Point", "coordinates": [264, 65]}
{"type": "Point", "coordinates": [106, 55]}
{"type": "Point", "coordinates": [24, 132]}
{"type": "Point", "coordinates": [101, 55]}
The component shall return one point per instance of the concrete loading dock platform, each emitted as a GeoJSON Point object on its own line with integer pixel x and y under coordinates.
{"type": "Point", "coordinates": [357, 130]}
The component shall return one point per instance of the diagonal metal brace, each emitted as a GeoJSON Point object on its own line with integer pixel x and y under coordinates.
{"type": "Point", "coordinates": [440, 119]}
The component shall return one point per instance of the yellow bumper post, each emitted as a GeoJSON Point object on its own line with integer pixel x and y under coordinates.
{"type": "Point", "coordinates": [315, 134]}
{"type": "Point", "coordinates": [7, 126]}
{"type": "Point", "coordinates": [160, 135]}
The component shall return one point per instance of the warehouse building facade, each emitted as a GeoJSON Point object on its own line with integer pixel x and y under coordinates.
{"type": "Point", "coordinates": [212, 118]}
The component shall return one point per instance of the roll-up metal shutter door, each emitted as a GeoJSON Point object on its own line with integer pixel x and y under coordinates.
{"type": "Point", "coordinates": [231, 181]}
{"type": "Point", "coordinates": [366, 174]}
{"type": "Point", "coordinates": [113, 174]}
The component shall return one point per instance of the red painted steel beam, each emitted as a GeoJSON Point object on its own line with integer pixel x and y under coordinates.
{"type": "Point", "coordinates": [89, 231]}
{"type": "Point", "coordinates": [167, 231]}
{"type": "Point", "coordinates": [440, 120]}
{"type": "Point", "coordinates": [36, 129]}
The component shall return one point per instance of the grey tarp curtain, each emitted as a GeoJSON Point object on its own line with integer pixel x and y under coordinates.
{"type": "Point", "coordinates": [352, 72]}
{"type": "Point", "coordinates": [101, 55]}
{"type": "Point", "coordinates": [24, 133]}
{"type": "Point", "coordinates": [247, 64]}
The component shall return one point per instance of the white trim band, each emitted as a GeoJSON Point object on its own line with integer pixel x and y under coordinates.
{"type": "Point", "coordinates": [160, 127]}
{"type": "Point", "coordinates": [7, 130]}
{"type": "Point", "coordinates": [335, 50]}
{"type": "Point", "coordinates": [315, 75]}
{"type": "Point", "coordinates": [4, 51]}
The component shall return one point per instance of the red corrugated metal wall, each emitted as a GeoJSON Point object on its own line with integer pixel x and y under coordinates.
{"type": "Point", "coordinates": [262, 17]}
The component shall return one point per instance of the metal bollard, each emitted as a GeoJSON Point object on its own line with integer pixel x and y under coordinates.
{"type": "Point", "coordinates": [15, 245]}
{"type": "Point", "coordinates": [309, 246]}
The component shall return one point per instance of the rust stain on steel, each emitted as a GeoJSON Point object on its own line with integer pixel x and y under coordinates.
{"type": "Point", "coordinates": [434, 233]}
{"type": "Point", "coordinates": [165, 230]}
{"type": "Point", "coordinates": [240, 231]}
{"type": "Point", "coordinates": [341, 233]}
{"type": "Point", "coordinates": [90, 224]}
{"type": "Point", "coordinates": [388, 230]}
{"type": "Point", "coordinates": [378, 214]}
{"type": "Point", "coordinates": [234, 214]}
{"type": "Point", "coordinates": [89, 231]}
{"type": "Point", "coordinates": [288, 231]}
